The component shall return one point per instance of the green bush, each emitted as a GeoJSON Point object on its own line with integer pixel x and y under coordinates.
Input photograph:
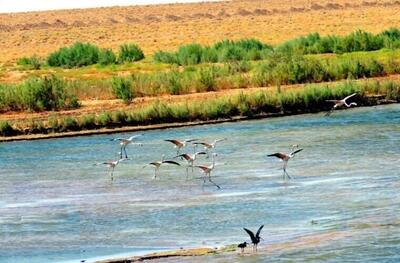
{"type": "Point", "coordinates": [106, 57]}
{"type": "Point", "coordinates": [122, 89]}
{"type": "Point", "coordinates": [6, 129]}
{"type": "Point", "coordinates": [34, 62]}
{"type": "Point", "coordinates": [77, 55]}
{"type": "Point", "coordinates": [165, 57]}
{"type": "Point", "coordinates": [37, 94]}
{"type": "Point", "coordinates": [87, 122]}
{"type": "Point", "coordinates": [130, 53]}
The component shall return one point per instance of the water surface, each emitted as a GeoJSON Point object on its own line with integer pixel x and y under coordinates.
{"type": "Point", "coordinates": [56, 205]}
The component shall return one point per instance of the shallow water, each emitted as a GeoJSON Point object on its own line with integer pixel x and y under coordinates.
{"type": "Point", "coordinates": [56, 205]}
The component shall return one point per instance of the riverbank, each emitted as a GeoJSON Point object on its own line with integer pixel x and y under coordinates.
{"type": "Point", "coordinates": [257, 103]}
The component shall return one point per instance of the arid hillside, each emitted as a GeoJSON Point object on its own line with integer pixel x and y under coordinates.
{"type": "Point", "coordinates": [168, 26]}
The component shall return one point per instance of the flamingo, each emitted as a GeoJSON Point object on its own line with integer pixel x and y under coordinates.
{"type": "Point", "coordinates": [207, 171]}
{"type": "Point", "coordinates": [208, 146]}
{"type": "Point", "coordinates": [157, 165]}
{"type": "Point", "coordinates": [285, 158]}
{"type": "Point", "coordinates": [179, 144]}
{"type": "Point", "coordinates": [125, 142]}
{"type": "Point", "coordinates": [112, 164]}
{"type": "Point", "coordinates": [255, 239]}
{"type": "Point", "coordinates": [190, 158]}
{"type": "Point", "coordinates": [340, 103]}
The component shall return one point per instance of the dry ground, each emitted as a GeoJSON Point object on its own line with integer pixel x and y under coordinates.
{"type": "Point", "coordinates": [168, 26]}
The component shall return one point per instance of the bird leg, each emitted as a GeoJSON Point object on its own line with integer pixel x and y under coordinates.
{"type": "Point", "coordinates": [187, 173]}
{"type": "Point", "coordinates": [155, 173]}
{"type": "Point", "coordinates": [126, 155]}
{"type": "Point", "coordinates": [112, 171]}
{"type": "Point", "coordinates": [211, 181]}
{"type": "Point", "coordinates": [120, 153]}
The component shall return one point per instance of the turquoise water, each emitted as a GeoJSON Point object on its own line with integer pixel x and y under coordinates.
{"type": "Point", "coordinates": [56, 205]}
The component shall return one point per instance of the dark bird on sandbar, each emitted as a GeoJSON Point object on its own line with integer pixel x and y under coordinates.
{"type": "Point", "coordinates": [285, 158]}
{"type": "Point", "coordinates": [242, 246]}
{"type": "Point", "coordinates": [255, 239]}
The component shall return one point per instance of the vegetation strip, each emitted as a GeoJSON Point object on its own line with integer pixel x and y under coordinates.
{"type": "Point", "coordinates": [260, 103]}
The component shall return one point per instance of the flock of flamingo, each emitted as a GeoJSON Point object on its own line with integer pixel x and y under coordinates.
{"type": "Point", "coordinates": [209, 148]}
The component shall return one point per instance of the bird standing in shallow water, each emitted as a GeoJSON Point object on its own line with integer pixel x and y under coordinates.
{"type": "Point", "coordinates": [157, 165]}
{"type": "Point", "coordinates": [190, 158]}
{"type": "Point", "coordinates": [285, 158]}
{"type": "Point", "coordinates": [207, 171]}
{"type": "Point", "coordinates": [125, 142]}
{"type": "Point", "coordinates": [340, 103]}
{"type": "Point", "coordinates": [112, 164]}
{"type": "Point", "coordinates": [255, 239]}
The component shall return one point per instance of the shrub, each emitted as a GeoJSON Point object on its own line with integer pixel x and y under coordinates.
{"type": "Point", "coordinates": [165, 57]}
{"type": "Point", "coordinates": [206, 79]}
{"type": "Point", "coordinates": [77, 55]}
{"type": "Point", "coordinates": [122, 89]}
{"type": "Point", "coordinates": [34, 62]}
{"type": "Point", "coordinates": [104, 119]}
{"type": "Point", "coordinates": [106, 57]}
{"type": "Point", "coordinates": [88, 122]}
{"type": "Point", "coordinates": [6, 129]}
{"type": "Point", "coordinates": [130, 53]}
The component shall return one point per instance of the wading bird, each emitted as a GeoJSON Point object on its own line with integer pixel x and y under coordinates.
{"type": "Point", "coordinates": [255, 239]}
{"type": "Point", "coordinates": [242, 246]}
{"type": "Point", "coordinates": [285, 158]}
{"type": "Point", "coordinates": [190, 158]}
{"type": "Point", "coordinates": [340, 103]}
{"type": "Point", "coordinates": [208, 146]}
{"type": "Point", "coordinates": [125, 142]}
{"type": "Point", "coordinates": [180, 144]}
{"type": "Point", "coordinates": [157, 165]}
{"type": "Point", "coordinates": [207, 171]}
{"type": "Point", "coordinates": [111, 166]}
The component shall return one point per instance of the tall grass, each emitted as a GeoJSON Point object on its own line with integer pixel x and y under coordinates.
{"type": "Point", "coordinates": [33, 62]}
{"type": "Point", "coordinates": [223, 51]}
{"type": "Point", "coordinates": [122, 88]}
{"type": "Point", "coordinates": [309, 99]}
{"type": "Point", "coordinates": [37, 94]}
{"type": "Point", "coordinates": [356, 41]}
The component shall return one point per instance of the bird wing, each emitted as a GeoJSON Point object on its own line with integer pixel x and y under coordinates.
{"type": "Point", "coordinates": [134, 136]}
{"type": "Point", "coordinates": [171, 162]}
{"type": "Point", "coordinates": [259, 231]}
{"type": "Point", "coordinates": [293, 153]}
{"type": "Point", "coordinates": [197, 153]}
{"type": "Point", "coordinates": [154, 163]}
{"type": "Point", "coordinates": [278, 155]}
{"type": "Point", "coordinates": [202, 167]}
{"type": "Point", "coordinates": [184, 155]}
{"type": "Point", "coordinates": [176, 142]}
{"type": "Point", "coordinates": [334, 101]}
{"type": "Point", "coordinates": [117, 139]}
{"type": "Point", "coordinates": [220, 140]}
{"type": "Point", "coordinates": [203, 143]}
{"type": "Point", "coordinates": [191, 140]}
{"type": "Point", "coordinates": [251, 234]}
{"type": "Point", "coordinates": [350, 96]}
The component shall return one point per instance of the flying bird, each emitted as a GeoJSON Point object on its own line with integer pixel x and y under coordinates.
{"type": "Point", "coordinates": [179, 144]}
{"type": "Point", "coordinates": [285, 158]}
{"type": "Point", "coordinates": [125, 142]}
{"type": "Point", "coordinates": [157, 165]}
{"type": "Point", "coordinates": [207, 171]}
{"type": "Point", "coordinates": [340, 103]}
{"type": "Point", "coordinates": [208, 146]}
{"type": "Point", "coordinates": [190, 158]}
{"type": "Point", "coordinates": [255, 239]}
